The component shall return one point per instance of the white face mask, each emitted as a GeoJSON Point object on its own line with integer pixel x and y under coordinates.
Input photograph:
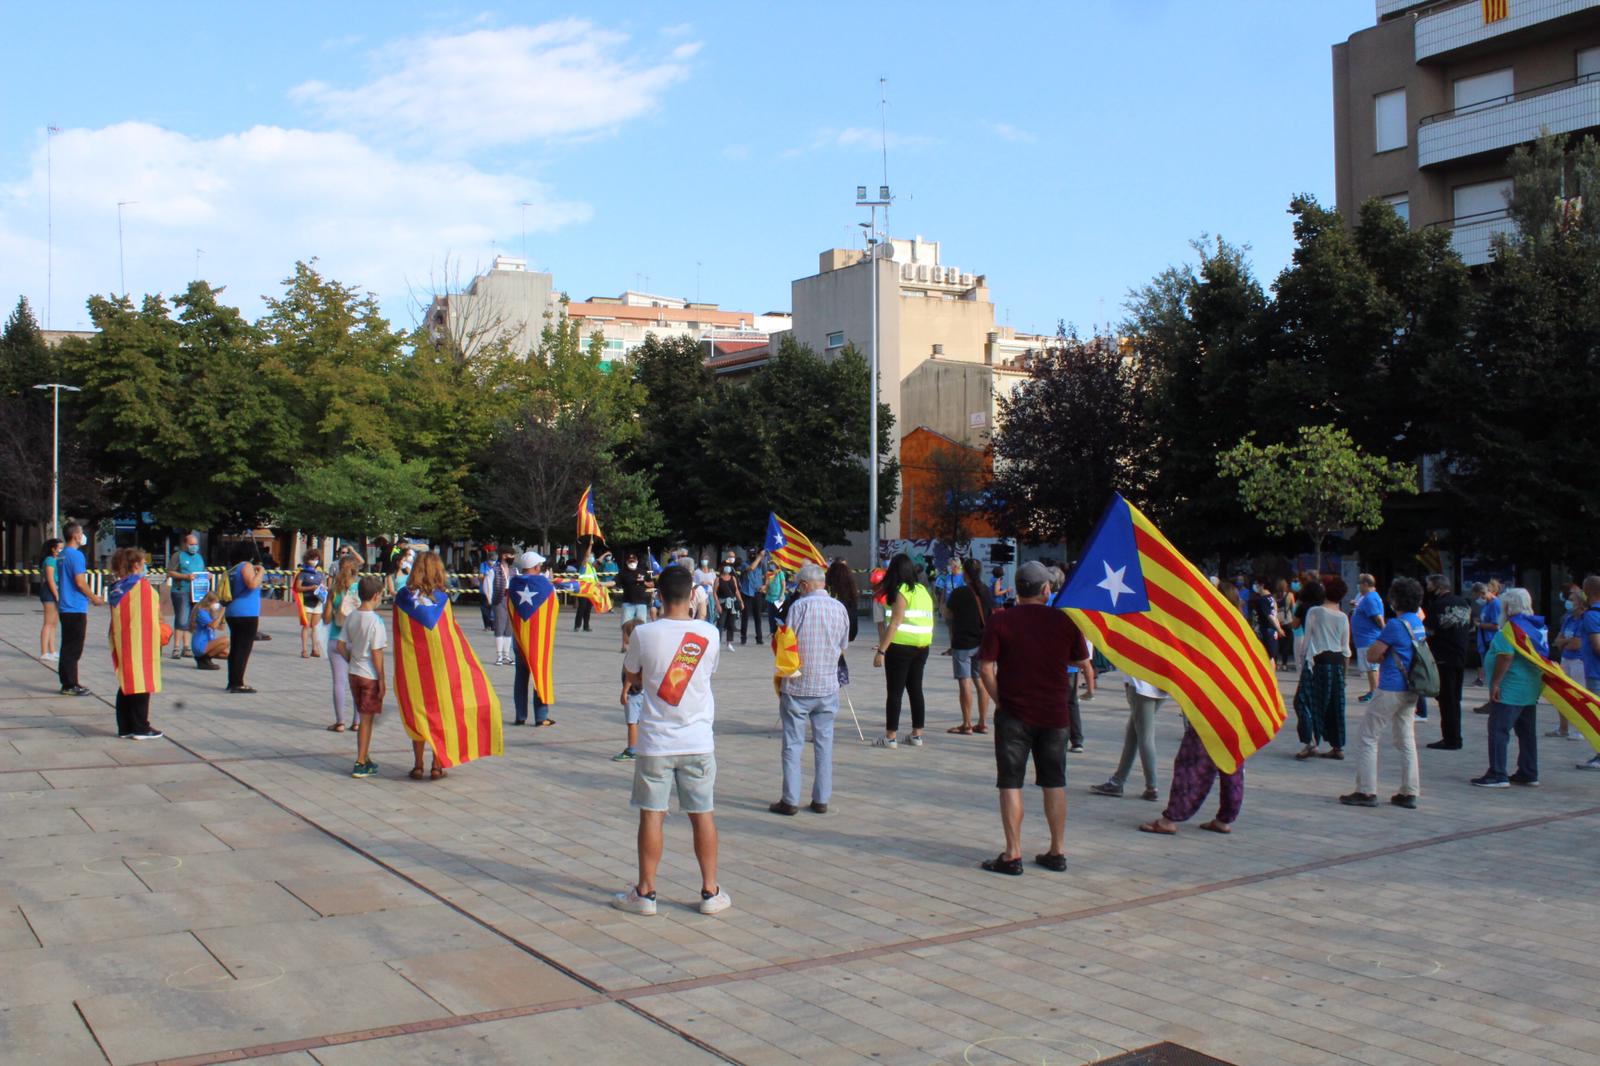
{"type": "Point", "coordinates": [633, 566]}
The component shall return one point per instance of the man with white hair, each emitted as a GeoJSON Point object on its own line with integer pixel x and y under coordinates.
{"type": "Point", "coordinates": [1514, 687]}
{"type": "Point", "coordinates": [822, 630]}
{"type": "Point", "coordinates": [529, 564]}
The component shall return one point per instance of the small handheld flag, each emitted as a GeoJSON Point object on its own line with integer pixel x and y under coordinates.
{"type": "Point", "coordinates": [1571, 700]}
{"type": "Point", "coordinates": [650, 561]}
{"type": "Point", "coordinates": [788, 547]}
{"type": "Point", "coordinates": [446, 700]}
{"type": "Point", "coordinates": [1162, 621]}
{"type": "Point", "coordinates": [588, 524]}
{"type": "Point", "coordinates": [533, 623]}
{"type": "Point", "coordinates": [135, 635]}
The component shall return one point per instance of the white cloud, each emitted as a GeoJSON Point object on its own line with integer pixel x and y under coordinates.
{"type": "Point", "coordinates": [858, 136]}
{"type": "Point", "coordinates": [1007, 132]}
{"type": "Point", "coordinates": [256, 201]}
{"type": "Point", "coordinates": [567, 78]}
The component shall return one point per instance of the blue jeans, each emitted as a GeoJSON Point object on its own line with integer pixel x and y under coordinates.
{"type": "Point", "coordinates": [1503, 719]}
{"type": "Point", "coordinates": [519, 691]}
{"type": "Point", "coordinates": [820, 712]}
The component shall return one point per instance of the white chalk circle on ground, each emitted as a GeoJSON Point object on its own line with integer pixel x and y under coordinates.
{"type": "Point", "coordinates": [1032, 1050]}
{"type": "Point", "coordinates": [147, 861]}
{"type": "Point", "coordinates": [247, 979]}
{"type": "Point", "coordinates": [1387, 965]}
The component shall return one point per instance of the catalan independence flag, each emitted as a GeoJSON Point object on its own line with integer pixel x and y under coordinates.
{"type": "Point", "coordinates": [588, 524]}
{"type": "Point", "coordinates": [533, 623]}
{"type": "Point", "coordinates": [1574, 702]}
{"type": "Point", "coordinates": [135, 635]}
{"type": "Point", "coordinates": [446, 700]}
{"type": "Point", "coordinates": [1162, 621]}
{"type": "Point", "coordinates": [789, 547]}
{"type": "Point", "coordinates": [1496, 10]}
{"type": "Point", "coordinates": [591, 588]}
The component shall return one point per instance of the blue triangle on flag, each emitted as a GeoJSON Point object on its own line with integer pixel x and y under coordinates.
{"type": "Point", "coordinates": [1108, 577]}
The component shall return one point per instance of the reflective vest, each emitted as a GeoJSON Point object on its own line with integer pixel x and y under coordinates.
{"type": "Point", "coordinates": [916, 625]}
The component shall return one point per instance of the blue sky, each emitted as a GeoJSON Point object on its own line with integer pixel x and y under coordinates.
{"type": "Point", "coordinates": [1069, 151]}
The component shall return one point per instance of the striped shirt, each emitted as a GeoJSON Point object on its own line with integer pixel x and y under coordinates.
{"type": "Point", "coordinates": [822, 629]}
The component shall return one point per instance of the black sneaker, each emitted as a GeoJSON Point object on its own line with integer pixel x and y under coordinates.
{"type": "Point", "coordinates": [1445, 745]}
{"type": "Point", "coordinates": [1408, 802]}
{"type": "Point", "coordinates": [76, 690]}
{"type": "Point", "coordinates": [1109, 788]}
{"type": "Point", "coordinates": [1359, 799]}
{"type": "Point", "coordinates": [1002, 865]}
{"type": "Point", "coordinates": [148, 734]}
{"type": "Point", "coordinates": [1524, 780]}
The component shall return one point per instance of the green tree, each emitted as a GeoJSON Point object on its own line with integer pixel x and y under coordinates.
{"type": "Point", "coordinates": [1318, 485]}
{"type": "Point", "coordinates": [356, 495]}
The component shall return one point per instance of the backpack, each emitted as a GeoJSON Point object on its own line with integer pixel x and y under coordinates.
{"type": "Point", "coordinates": [1423, 676]}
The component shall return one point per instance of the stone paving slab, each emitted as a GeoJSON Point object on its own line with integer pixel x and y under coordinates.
{"type": "Point", "coordinates": [234, 882]}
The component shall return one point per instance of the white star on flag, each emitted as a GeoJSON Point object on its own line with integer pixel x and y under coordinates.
{"type": "Point", "coordinates": [525, 595]}
{"type": "Point", "coordinates": [1114, 583]}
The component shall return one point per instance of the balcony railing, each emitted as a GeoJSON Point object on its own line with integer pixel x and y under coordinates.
{"type": "Point", "coordinates": [1504, 121]}
{"type": "Point", "coordinates": [1472, 236]}
{"type": "Point", "coordinates": [1450, 29]}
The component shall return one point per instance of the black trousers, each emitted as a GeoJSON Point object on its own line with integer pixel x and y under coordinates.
{"type": "Point", "coordinates": [902, 667]}
{"type": "Point", "coordinates": [133, 713]}
{"type": "Point", "coordinates": [580, 617]}
{"type": "Point", "coordinates": [753, 608]}
{"type": "Point", "coordinates": [241, 641]}
{"type": "Point", "coordinates": [73, 627]}
{"type": "Point", "coordinates": [1451, 679]}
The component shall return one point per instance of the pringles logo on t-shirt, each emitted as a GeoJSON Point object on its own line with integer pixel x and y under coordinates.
{"type": "Point", "coordinates": [684, 663]}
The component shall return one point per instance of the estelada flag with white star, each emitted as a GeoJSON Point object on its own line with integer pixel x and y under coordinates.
{"type": "Point", "coordinates": [135, 635]}
{"type": "Point", "coordinates": [1155, 615]}
{"type": "Point", "coordinates": [1571, 700]}
{"type": "Point", "coordinates": [790, 548]}
{"type": "Point", "coordinates": [533, 625]}
{"type": "Point", "coordinates": [446, 700]}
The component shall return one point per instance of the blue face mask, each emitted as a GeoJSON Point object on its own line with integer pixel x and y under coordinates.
{"type": "Point", "coordinates": [1294, 586]}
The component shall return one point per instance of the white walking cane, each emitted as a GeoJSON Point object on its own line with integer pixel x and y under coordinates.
{"type": "Point", "coordinates": [852, 707]}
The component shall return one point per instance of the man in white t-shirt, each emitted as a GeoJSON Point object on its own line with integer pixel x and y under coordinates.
{"type": "Point", "coordinates": [672, 660]}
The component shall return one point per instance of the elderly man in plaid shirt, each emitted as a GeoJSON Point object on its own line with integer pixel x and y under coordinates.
{"type": "Point", "coordinates": [822, 629]}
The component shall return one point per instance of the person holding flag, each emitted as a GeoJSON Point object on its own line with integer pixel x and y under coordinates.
{"type": "Point", "coordinates": [310, 590]}
{"type": "Point", "coordinates": [1576, 703]}
{"type": "Point", "coordinates": [533, 605]}
{"type": "Point", "coordinates": [788, 547]}
{"type": "Point", "coordinates": [588, 523]}
{"type": "Point", "coordinates": [446, 700]}
{"type": "Point", "coordinates": [136, 639]}
{"type": "Point", "coordinates": [1514, 686]}
{"type": "Point", "coordinates": [592, 594]}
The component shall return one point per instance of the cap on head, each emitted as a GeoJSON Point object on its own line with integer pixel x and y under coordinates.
{"type": "Point", "coordinates": [529, 559]}
{"type": "Point", "coordinates": [1033, 576]}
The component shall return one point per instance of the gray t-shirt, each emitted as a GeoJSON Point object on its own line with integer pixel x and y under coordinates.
{"type": "Point", "coordinates": [364, 634]}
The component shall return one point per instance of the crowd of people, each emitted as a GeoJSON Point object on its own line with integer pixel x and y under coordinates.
{"type": "Point", "coordinates": [1020, 669]}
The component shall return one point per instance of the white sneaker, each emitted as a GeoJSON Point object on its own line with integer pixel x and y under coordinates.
{"type": "Point", "coordinates": [915, 740]}
{"type": "Point", "coordinates": [710, 904]}
{"type": "Point", "coordinates": [52, 657]}
{"type": "Point", "coordinates": [1592, 764]}
{"type": "Point", "coordinates": [634, 903]}
{"type": "Point", "coordinates": [886, 742]}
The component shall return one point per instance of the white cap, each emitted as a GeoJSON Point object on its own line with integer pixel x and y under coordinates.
{"type": "Point", "coordinates": [529, 559]}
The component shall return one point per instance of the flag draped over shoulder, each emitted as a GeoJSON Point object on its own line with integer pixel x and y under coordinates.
{"type": "Point", "coordinates": [790, 548]}
{"type": "Point", "coordinates": [591, 588]}
{"type": "Point", "coordinates": [446, 700]}
{"type": "Point", "coordinates": [533, 623]}
{"type": "Point", "coordinates": [588, 524]}
{"type": "Point", "coordinates": [1574, 702]}
{"type": "Point", "coordinates": [135, 635]}
{"type": "Point", "coordinates": [1162, 621]}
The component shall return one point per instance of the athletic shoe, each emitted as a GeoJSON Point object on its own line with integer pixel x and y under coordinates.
{"type": "Point", "coordinates": [893, 742]}
{"type": "Point", "coordinates": [176, 654]}
{"type": "Point", "coordinates": [730, 645]}
{"type": "Point", "coordinates": [1555, 733]}
{"type": "Point", "coordinates": [1408, 802]}
{"type": "Point", "coordinates": [124, 736]}
{"type": "Point", "coordinates": [1525, 782]}
{"type": "Point", "coordinates": [76, 690]}
{"type": "Point", "coordinates": [1367, 698]}
{"type": "Point", "coordinates": [364, 769]}
{"type": "Point", "coordinates": [916, 740]}
{"type": "Point", "coordinates": [148, 734]}
{"type": "Point", "coordinates": [625, 755]}
{"type": "Point", "coordinates": [1592, 764]}
{"type": "Point", "coordinates": [1359, 799]}
{"type": "Point", "coordinates": [1444, 745]}
{"type": "Point", "coordinates": [1491, 782]}
{"type": "Point", "coordinates": [714, 902]}
{"type": "Point", "coordinates": [51, 657]}
{"type": "Point", "coordinates": [1076, 749]}
{"type": "Point", "coordinates": [1150, 794]}
{"type": "Point", "coordinates": [634, 903]}
{"type": "Point", "coordinates": [1110, 788]}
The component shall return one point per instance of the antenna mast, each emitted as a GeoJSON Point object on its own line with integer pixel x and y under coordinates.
{"type": "Point", "coordinates": [883, 131]}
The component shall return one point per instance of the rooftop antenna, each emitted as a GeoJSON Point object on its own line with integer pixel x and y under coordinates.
{"type": "Point", "coordinates": [883, 131]}
{"type": "Point", "coordinates": [49, 225]}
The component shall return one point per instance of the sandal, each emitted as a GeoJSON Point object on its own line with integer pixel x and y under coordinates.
{"type": "Point", "coordinates": [305, 655]}
{"type": "Point", "coordinates": [436, 773]}
{"type": "Point", "coordinates": [1331, 753]}
{"type": "Point", "coordinates": [337, 727]}
{"type": "Point", "coordinates": [1305, 753]}
{"type": "Point", "coordinates": [1215, 826]}
{"type": "Point", "coordinates": [980, 729]}
{"type": "Point", "coordinates": [547, 721]}
{"type": "Point", "coordinates": [964, 730]}
{"type": "Point", "coordinates": [1052, 861]}
{"type": "Point", "coordinates": [1002, 865]}
{"type": "Point", "coordinates": [1156, 827]}
{"type": "Point", "coordinates": [418, 773]}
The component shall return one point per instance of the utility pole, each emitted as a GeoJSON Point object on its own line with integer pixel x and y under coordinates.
{"type": "Point", "coordinates": [55, 461]}
{"type": "Point", "coordinates": [49, 223]}
{"type": "Point", "coordinates": [872, 205]}
{"type": "Point", "coordinates": [122, 274]}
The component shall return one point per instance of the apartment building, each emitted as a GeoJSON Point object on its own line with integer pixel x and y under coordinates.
{"type": "Point", "coordinates": [624, 321]}
{"type": "Point", "coordinates": [507, 302]}
{"type": "Point", "coordinates": [1430, 101]}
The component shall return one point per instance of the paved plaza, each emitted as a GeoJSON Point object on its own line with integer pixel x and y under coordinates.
{"type": "Point", "coordinates": [231, 894]}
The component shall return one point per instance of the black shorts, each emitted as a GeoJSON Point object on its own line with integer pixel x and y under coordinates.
{"type": "Point", "coordinates": [1015, 740]}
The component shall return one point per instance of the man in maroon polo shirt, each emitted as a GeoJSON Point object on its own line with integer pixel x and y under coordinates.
{"type": "Point", "coordinates": [1022, 665]}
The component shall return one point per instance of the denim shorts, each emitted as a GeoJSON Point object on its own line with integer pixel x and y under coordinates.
{"type": "Point", "coordinates": [181, 606]}
{"type": "Point", "coordinates": [634, 708]}
{"type": "Point", "coordinates": [961, 661]}
{"type": "Point", "coordinates": [640, 611]}
{"type": "Point", "coordinates": [655, 776]}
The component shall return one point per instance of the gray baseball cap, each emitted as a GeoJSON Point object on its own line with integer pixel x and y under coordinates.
{"type": "Point", "coordinates": [1035, 573]}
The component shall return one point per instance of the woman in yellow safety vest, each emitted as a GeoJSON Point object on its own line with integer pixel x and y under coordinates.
{"type": "Point", "coordinates": [903, 649]}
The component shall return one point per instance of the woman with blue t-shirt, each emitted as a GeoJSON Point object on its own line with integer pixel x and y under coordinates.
{"type": "Point", "coordinates": [1514, 687]}
{"type": "Point", "coordinates": [244, 612]}
{"type": "Point", "coordinates": [49, 594]}
{"type": "Point", "coordinates": [208, 645]}
{"type": "Point", "coordinates": [1570, 641]}
{"type": "Point", "coordinates": [1394, 708]}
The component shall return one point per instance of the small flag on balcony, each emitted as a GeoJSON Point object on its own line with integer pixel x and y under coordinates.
{"type": "Point", "coordinates": [1495, 10]}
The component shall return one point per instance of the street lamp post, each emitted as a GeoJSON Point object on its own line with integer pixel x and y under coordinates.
{"type": "Point", "coordinates": [862, 200]}
{"type": "Point", "coordinates": [55, 458]}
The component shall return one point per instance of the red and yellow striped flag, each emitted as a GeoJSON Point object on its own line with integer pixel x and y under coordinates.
{"type": "Point", "coordinates": [533, 624]}
{"type": "Point", "coordinates": [446, 700]}
{"type": "Point", "coordinates": [135, 635]}
{"type": "Point", "coordinates": [1162, 621]}
{"type": "Point", "coordinates": [790, 548]}
{"type": "Point", "coordinates": [1571, 700]}
{"type": "Point", "coordinates": [1495, 10]}
{"type": "Point", "coordinates": [588, 522]}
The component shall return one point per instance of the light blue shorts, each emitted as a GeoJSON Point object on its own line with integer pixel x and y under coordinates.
{"type": "Point", "coordinates": [635, 707]}
{"type": "Point", "coordinates": [961, 661]}
{"type": "Point", "coordinates": [1361, 657]}
{"type": "Point", "coordinates": [655, 777]}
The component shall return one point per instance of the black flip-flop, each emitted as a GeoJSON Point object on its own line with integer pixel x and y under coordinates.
{"type": "Point", "coordinates": [1002, 865]}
